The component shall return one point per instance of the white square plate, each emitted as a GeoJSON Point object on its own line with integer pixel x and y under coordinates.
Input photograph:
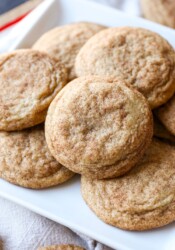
{"type": "Point", "coordinates": [64, 203]}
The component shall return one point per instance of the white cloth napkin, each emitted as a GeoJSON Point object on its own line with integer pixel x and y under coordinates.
{"type": "Point", "coordinates": [21, 229]}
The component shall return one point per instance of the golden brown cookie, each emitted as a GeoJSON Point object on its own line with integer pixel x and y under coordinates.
{"type": "Point", "coordinates": [61, 247]}
{"type": "Point", "coordinates": [65, 42]}
{"type": "Point", "coordinates": [142, 199]}
{"type": "Point", "coordinates": [98, 126]}
{"type": "Point", "coordinates": [161, 11]}
{"type": "Point", "coordinates": [161, 132]}
{"type": "Point", "coordinates": [166, 115]}
{"type": "Point", "coordinates": [141, 57]}
{"type": "Point", "coordinates": [26, 161]}
{"type": "Point", "coordinates": [29, 80]}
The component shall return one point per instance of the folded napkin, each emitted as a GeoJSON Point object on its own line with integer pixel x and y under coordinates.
{"type": "Point", "coordinates": [21, 229]}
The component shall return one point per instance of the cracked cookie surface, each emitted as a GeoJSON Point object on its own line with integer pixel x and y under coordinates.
{"type": "Point", "coordinates": [142, 199]}
{"type": "Point", "coordinates": [141, 57]}
{"type": "Point", "coordinates": [64, 42]}
{"type": "Point", "coordinates": [25, 160]}
{"type": "Point", "coordinates": [160, 11]}
{"type": "Point", "coordinates": [98, 126]}
{"type": "Point", "coordinates": [29, 80]}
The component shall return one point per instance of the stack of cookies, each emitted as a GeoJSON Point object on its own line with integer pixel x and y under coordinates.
{"type": "Point", "coordinates": [96, 88]}
{"type": "Point", "coordinates": [29, 81]}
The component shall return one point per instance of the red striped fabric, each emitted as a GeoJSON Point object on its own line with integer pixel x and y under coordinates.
{"type": "Point", "coordinates": [13, 22]}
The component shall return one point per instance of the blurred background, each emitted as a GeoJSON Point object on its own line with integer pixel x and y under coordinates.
{"type": "Point", "coordinates": [9, 4]}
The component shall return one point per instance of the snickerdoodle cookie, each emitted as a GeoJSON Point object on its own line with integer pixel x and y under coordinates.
{"type": "Point", "coordinates": [142, 199]}
{"type": "Point", "coordinates": [25, 160]}
{"type": "Point", "coordinates": [141, 57]}
{"type": "Point", "coordinates": [98, 126]}
{"type": "Point", "coordinates": [166, 115]}
{"type": "Point", "coordinates": [61, 247]}
{"type": "Point", "coordinates": [29, 80]}
{"type": "Point", "coordinates": [161, 132]}
{"type": "Point", "coordinates": [65, 42]}
{"type": "Point", "coordinates": [161, 11]}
